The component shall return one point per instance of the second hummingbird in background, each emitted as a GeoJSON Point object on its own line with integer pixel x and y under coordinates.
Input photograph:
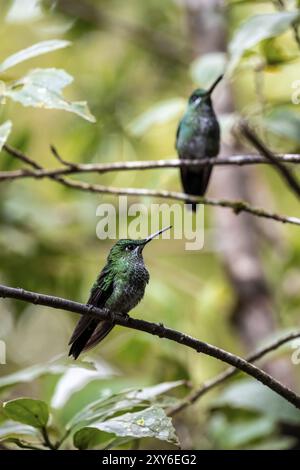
{"type": "Point", "coordinates": [198, 137]}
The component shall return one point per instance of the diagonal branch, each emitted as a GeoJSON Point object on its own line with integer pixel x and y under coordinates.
{"type": "Point", "coordinates": [286, 173]}
{"type": "Point", "coordinates": [230, 372]}
{"type": "Point", "coordinates": [157, 330]}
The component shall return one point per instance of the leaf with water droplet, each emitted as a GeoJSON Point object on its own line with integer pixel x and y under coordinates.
{"type": "Point", "coordinates": [151, 422]}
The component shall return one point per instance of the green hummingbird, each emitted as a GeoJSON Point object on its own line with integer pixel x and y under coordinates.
{"type": "Point", "coordinates": [119, 287]}
{"type": "Point", "coordinates": [198, 136]}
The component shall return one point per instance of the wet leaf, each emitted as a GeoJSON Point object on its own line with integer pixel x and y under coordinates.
{"type": "Point", "coordinates": [151, 422]}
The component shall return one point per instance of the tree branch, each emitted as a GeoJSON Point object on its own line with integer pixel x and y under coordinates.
{"type": "Point", "coordinates": [286, 173]}
{"type": "Point", "coordinates": [157, 330]}
{"type": "Point", "coordinates": [230, 372]}
{"type": "Point", "coordinates": [75, 168]}
{"type": "Point", "coordinates": [40, 172]}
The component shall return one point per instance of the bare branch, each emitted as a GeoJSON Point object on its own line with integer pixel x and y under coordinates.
{"type": "Point", "coordinates": [230, 372]}
{"type": "Point", "coordinates": [286, 173]}
{"type": "Point", "coordinates": [74, 168]}
{"type": "Point", "coordinates": [157, 330]}
{"type": "Point", "coordinates": [40, 172]}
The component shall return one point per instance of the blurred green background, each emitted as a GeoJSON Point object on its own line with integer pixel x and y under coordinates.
{"type": "Point", "coordinates": [48, 239]}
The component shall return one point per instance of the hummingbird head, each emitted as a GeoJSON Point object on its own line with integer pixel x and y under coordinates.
{"type": "Point", "coordinates": [130, 250]}
{"type": "Point", "coordinates": [201, 96]}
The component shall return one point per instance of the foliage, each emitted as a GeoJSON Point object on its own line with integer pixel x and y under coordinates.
{"type": "Point", "coordinates": [128, 414]}
{"type": "Point", "coordinates": [47, 239]}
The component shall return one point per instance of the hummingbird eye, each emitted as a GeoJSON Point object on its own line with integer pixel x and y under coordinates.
{"type": "Point", "coordinates": [129, 247]}
{"type": "Point", "coordinates": [193, 98]}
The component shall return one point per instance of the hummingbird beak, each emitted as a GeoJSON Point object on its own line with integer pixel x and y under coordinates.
{"type": "Point", "coordinates": [213, 86]}
{"type": "Point", "coordinates": [148, 239]}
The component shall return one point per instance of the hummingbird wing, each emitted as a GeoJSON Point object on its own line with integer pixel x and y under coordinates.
{"type": "Point", "coordinates": [90, 331]}
{"type": "Point", "coordinates": [192, 143]}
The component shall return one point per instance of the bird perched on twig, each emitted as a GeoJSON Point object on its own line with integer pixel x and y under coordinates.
{"type": "Point", "coordinates": [119, 287]}
{"type": "Point", "coordinates": [198, 137]}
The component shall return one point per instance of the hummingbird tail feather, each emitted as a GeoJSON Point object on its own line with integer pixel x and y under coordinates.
{"type": "Point", "coordinates": [195, 183]}
{"type": "Point", "coordinates": [88, 333]}
{"type": "Point", "coordinates": [102, 330]}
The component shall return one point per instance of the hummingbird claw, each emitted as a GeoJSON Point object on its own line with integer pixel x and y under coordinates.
{"type": "Point", "coordinates": [126, 317]}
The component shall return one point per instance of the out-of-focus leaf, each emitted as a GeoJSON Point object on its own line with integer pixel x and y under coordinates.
{"type": "Point", "coordinates": [254, 30]}
{"type": "Point", "coordinates": [281, 443]}
{"type": "Point", "coordinates": [151, 422]}
{"type": "Point", "coordinates": [207, 68]}
{"type": "Point", "coordinates": [124, 401]}
{"type": "Point", "coordinates": [89, 438]}
{"type": "Point", "coordinates": [41, 88]}
{"type": "Point", "coordinates": [37, 49]}
{"type": "Point", "coordinates": [24, 10]}
{"type": "Point", "coordinates": [240, 395]}
{"type": "Point", "coordinates": [160, 113]}
{"type": "Point", "coordinates": [229, 434]}
{"type": "Point", "coordinates": [10, 429]}
{"type": "Point", "coordinates": [273, 53]}
{"type": "Point", "coordinates": [75, 378]}
{"type": "Point", "coordinates": [31, 373]}
{"type": "Point", "coordinates": [5, 130]}
{"type": "Point", "coordinates": [28, 411]}
{"type": "Point", "coordinates": [149, 393]}
{"type": "Point", "coordinates": [284, 122]}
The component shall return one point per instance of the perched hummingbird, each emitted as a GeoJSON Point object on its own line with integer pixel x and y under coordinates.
{"type": "Point", "coordinates": [198, 136]}
{"type": "Point", "coordinates": [119, 287]}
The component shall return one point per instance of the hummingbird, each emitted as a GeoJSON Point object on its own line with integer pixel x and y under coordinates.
{"type": "Point", "coordinates": [198, 136]}
{"type": "Point", "coordinates": [119, 287]}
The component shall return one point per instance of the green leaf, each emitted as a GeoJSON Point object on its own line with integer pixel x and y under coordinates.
{"type": "Point", "coordinates": [231, 434]}
{"type": "Point", "coordinates": [274, 54]}
{"type": "Point", "coordinates": [254, 30]}
{"type": "Point", "coordinates": [24, 10]}
{"type": "Point", "coordinates": [5, 130]}
{"type": "Point", "coordinates": [206, 68]}
{"type": "Point", "coordinates": [240, 396]}
{"type": "Point", "coordinates": [160, 113]}
{"type": "Point", "coordinates": [10, 429]}
{"type": "Point", "coordinates": [37, 49]}
{"type": "Point", "coordinates": [123, 401]}
{"type": "Point", "coordinates": [89, 438]}
{"type": "Point", "coordinates": [284, 122]}
{"type": "Point", "coordinates": [151, 422]}
{"type": "Point", "coordinates": [41, 88]}
{"type": "Point", "coordinates": [31, 373]}
{"type": "Point", "coordinates": [28, 411]}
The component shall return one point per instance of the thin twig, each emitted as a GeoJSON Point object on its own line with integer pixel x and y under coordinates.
{"type": "Point", "coordinates": [74, 168]}
{"type": "Point", "coordinates": [47, 441]}
{"type": "Point", "coordinates": [286, 173]}
{"type": "Point", "coordinates": [40, 172]}
{"type": "Point", "coordinates": [228, 373]}
{"type": "Point", "coordinates": [157, 330]}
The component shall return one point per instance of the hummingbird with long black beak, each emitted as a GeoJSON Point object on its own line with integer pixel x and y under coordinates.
{"type": "Point", "coordinates": [198, 137]}
{"type": "Point", "coordinates": [119, 287]}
